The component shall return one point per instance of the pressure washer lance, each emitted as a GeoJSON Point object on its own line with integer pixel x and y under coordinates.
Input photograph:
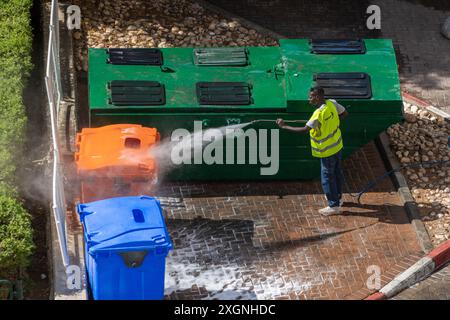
{"type": "Point", "coordinates": [286, 121]}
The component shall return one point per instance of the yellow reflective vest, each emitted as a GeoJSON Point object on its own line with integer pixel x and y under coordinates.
{"type": "Point", "coordinates": [326, 139]}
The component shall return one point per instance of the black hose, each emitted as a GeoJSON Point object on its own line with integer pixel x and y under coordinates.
{"type": "Point", "coordinates": [373, 183]}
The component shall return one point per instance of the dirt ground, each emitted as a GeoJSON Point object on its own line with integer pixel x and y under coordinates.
{"type": "Point", "coordinates": [37, 287]}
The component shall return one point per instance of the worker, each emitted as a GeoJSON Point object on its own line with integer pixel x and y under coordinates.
{"type": "Point", "coordinates": [326, 144]}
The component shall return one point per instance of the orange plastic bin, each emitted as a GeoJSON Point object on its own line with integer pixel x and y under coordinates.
{"type": "Point", "coordinates": [114, 161]}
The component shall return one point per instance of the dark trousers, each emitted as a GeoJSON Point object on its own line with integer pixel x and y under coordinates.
{"type": "Point", "coordinates": [332, 179]}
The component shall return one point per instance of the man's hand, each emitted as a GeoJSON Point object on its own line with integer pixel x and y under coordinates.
{"type": "Point", "coordinates": [280, 123]}
{"type": "Point", "coordinates": [343, 115]}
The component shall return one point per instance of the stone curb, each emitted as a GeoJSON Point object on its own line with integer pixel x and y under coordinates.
{"type": "Point", "coordinates": [435, 259]}
{"type": "Point", "coordinates": [405, 195]}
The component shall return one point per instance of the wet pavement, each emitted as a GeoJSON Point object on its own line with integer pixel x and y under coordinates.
{"type": "Point", "coordinates": [265, 240]}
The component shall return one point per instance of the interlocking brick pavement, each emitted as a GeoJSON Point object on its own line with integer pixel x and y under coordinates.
{"type": "Point", "coordinates": [265, 240]}
{"type": "Point", "coordinates": [413, 25]}
{"type": "Point", "coordinates": [435, 287]}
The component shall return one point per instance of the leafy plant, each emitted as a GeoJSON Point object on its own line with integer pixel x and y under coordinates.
{"type": "Point", "coordinates": [16, 235]}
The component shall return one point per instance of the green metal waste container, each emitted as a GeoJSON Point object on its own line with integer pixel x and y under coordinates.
{"type": "Point", "coordinates": [180, 88]}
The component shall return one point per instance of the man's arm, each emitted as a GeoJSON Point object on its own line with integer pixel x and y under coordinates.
{"type": "Point", "coordinates": [342, 112]}
{"type": "Point", "coordinates": [304, 129]}
{"type": "Point", "coordinates": [282, 125]}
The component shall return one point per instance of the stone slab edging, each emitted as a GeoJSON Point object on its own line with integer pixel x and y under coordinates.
{"type": "Point", "coordinates": [435, 259]}
{"type": "Point", "coordinates": [406, 197]}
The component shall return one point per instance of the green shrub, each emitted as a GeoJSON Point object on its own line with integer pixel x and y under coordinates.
{"type": "Point", "coordinates": [16, 240]}
{"type": "Point", "coordinates": [16, 237]}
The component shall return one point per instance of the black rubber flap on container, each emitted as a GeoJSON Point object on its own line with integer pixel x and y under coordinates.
{"type": "Point", "coordinates": [133, 259]}
{"type": "Point", "coordinates": [221, 56]}
{"type": "Point", "coordinates": [135, 56]}
{"type": "Point", "coordinates": [223, 93]}
{"type": "Point", "coordinates": [137, 93]}
{"type": "Point", "coordinates": [338, 46]}
{"type": "Point", "coordinates": [351, 85]}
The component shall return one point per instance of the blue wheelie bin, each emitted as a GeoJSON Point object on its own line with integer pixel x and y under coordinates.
{"type": "Point", "coordinates": [126, 244]}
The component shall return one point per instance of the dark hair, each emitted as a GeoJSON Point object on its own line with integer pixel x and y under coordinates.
{"type": "Point", "coordinates": [318, 90]}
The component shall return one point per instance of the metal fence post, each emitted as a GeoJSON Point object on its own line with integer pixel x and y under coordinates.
{"type": "Point", "coordinates": [54, 96]}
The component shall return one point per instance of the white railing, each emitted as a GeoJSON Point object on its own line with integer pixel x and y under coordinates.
{"type": "Point", "coordinates": [54, 95]}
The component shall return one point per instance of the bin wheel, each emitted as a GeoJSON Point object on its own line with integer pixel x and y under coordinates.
{"type": "Point", "coordinates": [67, 127]}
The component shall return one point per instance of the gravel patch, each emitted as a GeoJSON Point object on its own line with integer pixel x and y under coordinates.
{"type": "Point", "coordinates": [156, 23]}
{"type": "Point", "coordinates": [424, 137]}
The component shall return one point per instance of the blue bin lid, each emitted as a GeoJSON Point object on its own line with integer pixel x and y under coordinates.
{"type": "Point", "coordinates": [124, 224]}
